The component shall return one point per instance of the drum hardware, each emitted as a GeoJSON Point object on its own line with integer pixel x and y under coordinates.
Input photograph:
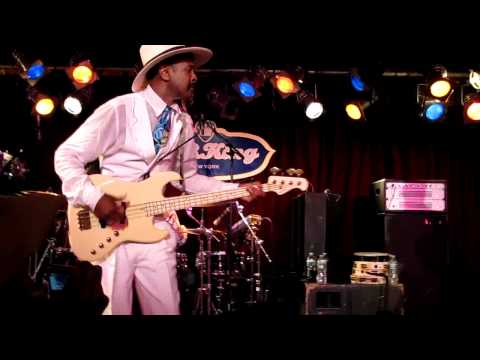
{"type": "Point", "coordinates": [56, 255]}
{"type": "Point", "coordinates": [253, 223]}
{"type": "Point", "coordinates": [48, 252]}
{"type": "Point", "coordinates": [53, 247]}
{"type": "Point", "coordinates": [204, 304]}
{"type": "Point", "coordinates": [228, 279]}
{"type": "Point", "coordinates": [182, 262]}
{"type": "Point", "coordinates": [12, 167]}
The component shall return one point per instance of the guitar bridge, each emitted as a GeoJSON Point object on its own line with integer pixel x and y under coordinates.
{"type": "Point", "coordinates": [84, 222]}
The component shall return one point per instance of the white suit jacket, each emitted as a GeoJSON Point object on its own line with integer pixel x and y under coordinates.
{"type": "Point", "coordinates": [120, 134]}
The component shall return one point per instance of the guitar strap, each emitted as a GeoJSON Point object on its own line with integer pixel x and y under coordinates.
{"type": "Point", "coordinates": [182, 118]}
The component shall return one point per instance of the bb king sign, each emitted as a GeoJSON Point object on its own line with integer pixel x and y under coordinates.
{"type": "Point", "coordinates": [214, 158]}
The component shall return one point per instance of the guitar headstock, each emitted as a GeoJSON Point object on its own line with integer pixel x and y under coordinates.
{"type": "Point", "coordinates": [285, 184]}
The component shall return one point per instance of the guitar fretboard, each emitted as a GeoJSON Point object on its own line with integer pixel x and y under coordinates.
{"type": "Point", "coordinates": [198, 200]}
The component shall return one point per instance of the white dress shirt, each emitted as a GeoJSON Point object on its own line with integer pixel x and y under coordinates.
{"type": "Point", "coordinates": [120, 134]}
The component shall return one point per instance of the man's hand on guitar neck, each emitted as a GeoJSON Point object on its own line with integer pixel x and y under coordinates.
{"type": "Point", "coordinates": [110, 211]}
{"type": "Point", "coordinates": [255, 190]}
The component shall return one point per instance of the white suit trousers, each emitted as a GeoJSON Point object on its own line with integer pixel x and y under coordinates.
{"type": "Point", "coordinates": [152, 268]}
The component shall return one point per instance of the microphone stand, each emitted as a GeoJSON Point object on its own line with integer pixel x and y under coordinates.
{"type": "Point", "coordinates": [257, 245]}
{"type": "Point", "coordinates": [233, 151]}
{"type": "Point", "coordinates": [385, 308]}
{"type": "Point", "coordinates": [255, 237]}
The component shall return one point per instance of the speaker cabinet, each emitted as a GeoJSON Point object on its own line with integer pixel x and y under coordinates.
{"type": "Point", "coordinates": [312, 212]}
{"type": "Point", "coordinates": [315, 227]}
{"type": "Point", "coordinates": [420, 243]}
{"type": "Point", "coordinates": [353, 299]}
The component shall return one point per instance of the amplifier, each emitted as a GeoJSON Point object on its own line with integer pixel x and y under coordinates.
{"type": "Point", "coordinates": [393, 196]}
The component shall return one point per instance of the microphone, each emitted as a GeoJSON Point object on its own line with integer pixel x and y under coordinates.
{"type": "Point", "coordinates": [204, 127]}
{"type": "Point", "coordinates": [217, 221]}
{"type": "Point", "coordinates": [328, 193]}
{"type": "Point", "coordinates": [239, 227]}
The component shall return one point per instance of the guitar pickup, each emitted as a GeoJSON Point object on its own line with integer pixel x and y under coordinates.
{"type": "Point", "coordinates": [84, 221]}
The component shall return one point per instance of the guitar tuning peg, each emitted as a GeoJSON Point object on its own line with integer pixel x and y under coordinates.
{"type": "Point", "coordinates": [275, 170]}
{"type": "Point", "coordinates": [295, 172]}
{"type": "Point", "coordinates": [292, 172]}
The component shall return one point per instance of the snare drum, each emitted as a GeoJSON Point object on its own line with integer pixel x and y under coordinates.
{"type": "Point", "coordinates": [217, 262]}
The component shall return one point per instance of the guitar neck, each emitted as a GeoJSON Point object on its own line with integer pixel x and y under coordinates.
{"type": "Point", "coordinates": [198, 200]}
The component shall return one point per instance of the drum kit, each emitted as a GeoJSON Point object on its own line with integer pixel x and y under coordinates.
{"type": "Point", "coordinates": [13, 170]}
{"type": "Point", "coordinates": [228, 266]}
{"type": "Point", "coordinates": [224, 275]}
{"type": "Point", "coordinates": [45, 213]}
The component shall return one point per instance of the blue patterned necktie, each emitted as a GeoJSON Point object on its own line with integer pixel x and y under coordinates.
{"type": "Point", "coordinates": [162, 126]}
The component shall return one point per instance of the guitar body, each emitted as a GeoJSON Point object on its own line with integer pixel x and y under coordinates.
{"type": "Point", "coordinates": [92, 242]}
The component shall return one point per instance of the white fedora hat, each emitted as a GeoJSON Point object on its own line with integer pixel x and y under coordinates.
{"type": "Point", "coordinates": [153, 54]}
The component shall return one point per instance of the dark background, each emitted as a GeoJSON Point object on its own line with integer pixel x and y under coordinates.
{"type": "Point", "coordinates": [335, 154]}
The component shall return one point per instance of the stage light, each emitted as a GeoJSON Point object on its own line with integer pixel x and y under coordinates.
{"type": "Point", "coordinates": [44, 106]}
{"type": "Point", "coordinates": [441, 88]}
{"type": "Point", "coordinates": [434, 110]}
{"type": "Point", "coordinates": [247, 89]}
{"type": "Point", "coordinates": [82, 74]}
{"type": "Point", "coordinates": [365, 78]}
{"type": "Point", "coordinates": [474, 79]}
{"type": "Point", "coordinates": [33, 73]}
{"type": "Point", "coordinates": [73, 105]}
{"type": "Point", "coordinates": [285, 84]}
{"type": "Point", "coordinates": [439, 85]}
{"type": "Point", "coordinates": [249, 86]}
{"type": "Point", "coordinates": [36, 71]}
{"type": "Point", "coordinates": [355, 111]}
{"type": "Point", "coordinates": [313, 107]}
{"type": "Point", "coordinates": [358, 83]}
{"type": "Point", "coordinates": [472, 109]}
{"type": "Point", "coordinates": [358, 80]}
{"type": "Point", "coordinates": [434, 97]}
{"type": "Point", "coordinates": [314, 110]}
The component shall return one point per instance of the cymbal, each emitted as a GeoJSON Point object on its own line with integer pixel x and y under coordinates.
{"type": "Point", "coordinates": [46, 193]}
{"type": "Point", "coordinates": [200, 231]}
